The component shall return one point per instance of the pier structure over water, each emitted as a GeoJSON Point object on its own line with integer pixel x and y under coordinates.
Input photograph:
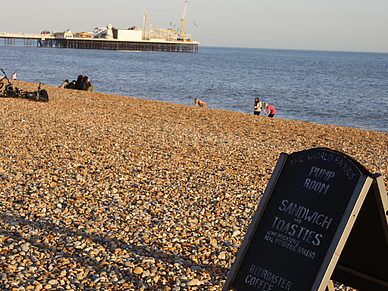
{"type": "Point", "coordinates": [28, 39]}
{"type": "Point", "coordinates": [114, 44]}
{"type": "Point", "coordinates": [50, 41]}
{"type": "Point", "coordinates": [146, 38]}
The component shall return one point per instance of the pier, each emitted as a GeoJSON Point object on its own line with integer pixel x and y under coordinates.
{"type": "Point", "coordinates": [28, 39]}
{"type": "Point", "coordinates": [105, 44]}
{"type": "Point", "coordinates": [50, 41]}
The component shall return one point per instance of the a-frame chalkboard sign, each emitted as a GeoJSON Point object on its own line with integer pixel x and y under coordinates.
{"type": "Point", "coordinates": [323, 217]}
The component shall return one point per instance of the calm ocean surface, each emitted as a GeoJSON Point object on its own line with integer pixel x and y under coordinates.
{"type": "Point", "coordinates": [341, 88]}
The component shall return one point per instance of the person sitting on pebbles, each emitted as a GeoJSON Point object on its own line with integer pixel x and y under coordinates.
{"type": "Point", "coordinates": [87, 86]}
{"type": "Point", "coordinates": [200, 103]}
{"type": "Point", "coordinates": [64, 84]}
{"type": "Point", "coordinates": [71, 85]}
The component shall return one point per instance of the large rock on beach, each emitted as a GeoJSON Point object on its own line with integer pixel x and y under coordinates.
{"type": "Point", "coordinates": [105, 192]}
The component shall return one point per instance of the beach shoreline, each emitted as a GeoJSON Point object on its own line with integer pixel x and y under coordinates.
{"type": "Point", "coordinates": [111, 192]}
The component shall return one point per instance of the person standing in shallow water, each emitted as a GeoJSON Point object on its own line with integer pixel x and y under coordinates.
{"type": "Point", "coordinates": [271, 110]}
{"type": "Point", "coordinates": [258, 106]}
{"type": "Point", "coordinates": [200, 103]}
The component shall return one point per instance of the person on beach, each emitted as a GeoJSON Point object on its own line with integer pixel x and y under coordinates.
{"type": "Point", "coordinates": [257, 106]}
{"type": "Point", "coordinates": [14, 76]}
{"type": "Point", "coordinates": [82, 84]}
{"type": "Point", "coordinates": [199, 103]}
{"type": "Point", "coordinates": [78, 82]}
{"type": "Point", "coordinates": [271, 110]}
{"type": "Point", "coordinates": [71, 85]}
{"type": "Point", "coordinates": [64, 84]}
{"type": "Point", "coordinates": [85, 84]}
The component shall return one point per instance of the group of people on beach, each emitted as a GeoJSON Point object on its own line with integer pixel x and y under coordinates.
{"type": "Point", "coordinates": [82, 83]}
{"type": "Point", "coordinates": [268, 109]}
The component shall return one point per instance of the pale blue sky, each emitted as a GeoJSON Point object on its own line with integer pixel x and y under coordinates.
{"type": "Point", "coordinates": [340, 25]}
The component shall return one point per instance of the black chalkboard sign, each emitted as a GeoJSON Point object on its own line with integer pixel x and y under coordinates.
{"type": "Point", "coordinates": [301, 224]}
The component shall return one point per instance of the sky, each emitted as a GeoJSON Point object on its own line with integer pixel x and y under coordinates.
{"type": "Point", "coordinates": [335, 25]}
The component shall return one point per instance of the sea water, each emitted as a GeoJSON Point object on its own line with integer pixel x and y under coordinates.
{"type": "Point", "coordinates": [340, 88]}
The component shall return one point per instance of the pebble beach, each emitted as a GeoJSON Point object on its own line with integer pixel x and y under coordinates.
{"type": "Point", "coordinates": [106, 192]}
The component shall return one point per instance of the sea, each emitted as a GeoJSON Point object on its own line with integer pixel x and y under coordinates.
{"type": "Point", "coordinates": [327, 87]}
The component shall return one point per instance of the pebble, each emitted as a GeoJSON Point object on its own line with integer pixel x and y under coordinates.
{"type": "Point", "coordinates": [25, 247]}
{"type": "Point", "coordinates": [138, 270]}
{"type": "Point", "coordinates": [104, 192]}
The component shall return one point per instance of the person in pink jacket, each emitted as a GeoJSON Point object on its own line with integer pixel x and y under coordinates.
{"type": "Point", "coordinates": [271, 110]}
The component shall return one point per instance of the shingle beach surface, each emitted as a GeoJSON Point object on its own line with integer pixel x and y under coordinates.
{"type": "Point", "coordinates": [105, 192]}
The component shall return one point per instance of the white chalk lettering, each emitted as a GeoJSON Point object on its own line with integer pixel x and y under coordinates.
{"type": "Point", "coordinates": [259, 276]}
{"type": "Point", "coordinates": [307, 253]}
{"type": "Point", "coordinates": [340, 162]}
{"type": "Point", "coordinates": [343, 165]}
{"type": "Point", "coordinates": [316, 186]}
{"type": "Point", "coordinates": [298, 160]}
{"type": "Point", "coordinates": [306, 214]}
{"type": "Point", "coordinates": [258, 283]}
{"type": "Point", "coordinates": [297, 231]}
{"type": "Point", "coordinates": [268, 238]}
{"type": "Point", "coordinates": [286, 244]}
{"type": "Point", "coordinates": [321, 173]}
{"type": "Point", "coordinates": [327, 157]}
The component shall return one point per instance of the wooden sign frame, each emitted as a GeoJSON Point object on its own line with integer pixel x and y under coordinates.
{"type": "Point", "coordinates": [346, 231]}
{"type": "Point", "coordinates": [363, 261]}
